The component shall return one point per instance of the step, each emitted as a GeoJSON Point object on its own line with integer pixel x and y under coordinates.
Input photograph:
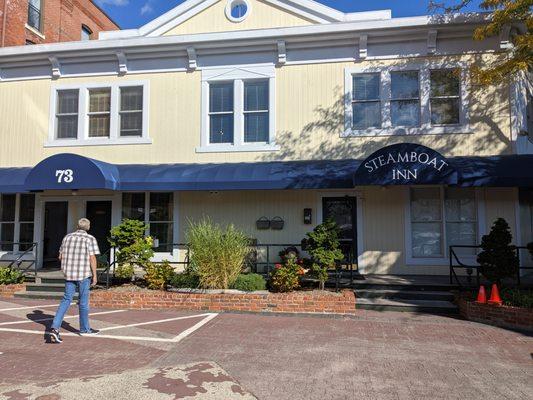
{"type": "Point", "coordinates": [362, 285]}
{"type": "Point", "coordinates": [41, 295]}
{"type": "Point", "coordinates": [55, 281]}
{"type": "Point", "coordinates": [404, 294]}
{"type": "Point", "coordinates": [45, 287]}
{"type": "Point", "coordinates": [429, 306]}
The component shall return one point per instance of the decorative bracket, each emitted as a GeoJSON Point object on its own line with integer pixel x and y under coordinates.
{"type": "Point", "coordinates": [282, 52]}
{"type": "Point", "coordinates": [56, 67]}
{"type": "Point", "coordinates": [363, 46]}
{"type": "Point", "coordinates": [122, 63]}
{"type": "Point", "coordinates": [505, 38]}
{"type": "Point", "coordinates": [432, 41]}
{"type": "Point", "coordinates": [191, 53]}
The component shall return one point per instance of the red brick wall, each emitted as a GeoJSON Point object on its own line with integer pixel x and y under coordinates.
{"type": "Point", "coordinates": [7, 291]}
{"type": "Point", "coordinates": [503, 316]}
{"type": "Point", "coordinates": [295, 302]}
{"type": "Point", "coordinates": [62, 21]}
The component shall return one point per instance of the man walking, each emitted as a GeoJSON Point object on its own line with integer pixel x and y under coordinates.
{"type": "Point", "coordinates": [77, 253]}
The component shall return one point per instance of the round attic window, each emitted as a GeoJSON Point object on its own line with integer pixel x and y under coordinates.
{"type": "Point", "coordinates": [237, 10]}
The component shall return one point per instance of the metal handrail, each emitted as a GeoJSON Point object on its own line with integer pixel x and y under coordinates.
{"type": "Point", "coordinates": [453, 256]}
{"type": "Point", "coordinates": [33, 248]}
{"type": "Point", "coordinates": [109, 264]}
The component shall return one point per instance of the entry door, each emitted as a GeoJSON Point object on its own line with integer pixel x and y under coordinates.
{"type": "Point", "coordinates": [343, 211]}
{"type": "Point", "coordinates": [99, 213]}
{"type": "Point", "coordinates": [55, 229]}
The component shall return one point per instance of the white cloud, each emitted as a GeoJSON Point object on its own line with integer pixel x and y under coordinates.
{"type": "Point", "coordinates": [118, 3]}
{"type": "Point", "coordinates": [147, 8]}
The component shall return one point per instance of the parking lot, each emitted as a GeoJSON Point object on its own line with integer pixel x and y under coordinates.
{"type": "Point", "coordinates": [149, 354]}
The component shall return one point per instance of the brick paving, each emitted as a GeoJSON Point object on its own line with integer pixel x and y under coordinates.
{"type": "Point", "coordinates": [374, 355]}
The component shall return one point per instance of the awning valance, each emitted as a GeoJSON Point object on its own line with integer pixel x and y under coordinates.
{"type": "Point", "coordinates": [73, 172]}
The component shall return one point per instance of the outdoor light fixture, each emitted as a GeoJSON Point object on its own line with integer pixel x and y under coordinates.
{"type": "Point", "coordinates": [74, 192]}
{"type": "Point", "coordinates": [308, 216]}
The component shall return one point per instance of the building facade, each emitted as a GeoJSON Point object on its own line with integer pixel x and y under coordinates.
{"type": "Point", "coordinates": [48, 21]}
{"type": "Point", "coordinates": [256, 110]}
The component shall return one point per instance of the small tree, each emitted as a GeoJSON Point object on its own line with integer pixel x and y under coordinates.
{"type": "Point", "coordinates": [322, 244]}
{"type": "Point", "coordinates": [133, 247]}
{"type": "Point", "coordinates": [498, 259]}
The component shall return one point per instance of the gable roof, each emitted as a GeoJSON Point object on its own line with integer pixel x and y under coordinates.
{"type": "Point", "coordinates": [308, 9]}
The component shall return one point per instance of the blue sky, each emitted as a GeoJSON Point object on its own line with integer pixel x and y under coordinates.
{"type": "Point", "coordinates": [135, 13]}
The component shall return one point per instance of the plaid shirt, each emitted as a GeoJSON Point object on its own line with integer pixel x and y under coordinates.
{"type": "Point", "coordinates": [76, 249]}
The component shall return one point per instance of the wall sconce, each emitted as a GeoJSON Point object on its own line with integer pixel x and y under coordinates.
{"type": "Point", "coordinates": [308, 216]}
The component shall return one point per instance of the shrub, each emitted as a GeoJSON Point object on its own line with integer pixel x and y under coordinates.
{"type": "Point", "coordinates": [219, 254]}
{"type": "Point", "coordinates": [158, 276]}
{"type": "Point", "coordinates": [322, 244]}
{"type": "Point", "coordinates": [498, 259]}
{"type": "Point", "coordinates": [9, 276]}
{"type": "Point", "coordinates": [125, 272]}
{"type": "Point", "coordinates": [185, 280]}
{"type": "Point", "coordinates": [249, 282]}
{"type": "Point", "coordinates": [286, 277]}
{"type": "Point", "coordinates": [518, 297]}
{"type": "Point", "coordinates": [133, 247]}
{"type": "Point", "coordinates": [287, 251]}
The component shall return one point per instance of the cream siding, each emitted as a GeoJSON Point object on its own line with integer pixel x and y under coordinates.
{"type": "Point", "coordinates": [262, 16]}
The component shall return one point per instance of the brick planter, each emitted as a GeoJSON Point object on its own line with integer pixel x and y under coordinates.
{"type": "Point", "coordinates": [229, 300]}
{"type": "Point", "coordinates": [8, 291]}
{"type": "Point", "coordinates": [502, 316]}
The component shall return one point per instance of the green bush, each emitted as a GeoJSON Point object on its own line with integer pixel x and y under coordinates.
{"type": "Point", "coordinates": [185, 280]}
{"type": "Point", "coordinates": [322, 244]}
{"type": "Point", "coordinates": [249, 282]}
{"type": "Point", "coordinates": [286, 277]}
{"type": "Point", "coordinates": [219, 254]}
{"type": "Point", "coordinates": [498, 259]}
{"type": "Point", "coordinates": [133, 247]}
{"type": "Point", "coordinates": [518, 297]}
{"type": "Point", "coordinates": [9, 276]}
{"type": "Point", "coordinates": [125, 272]}
{"type": "Point", "coordinates": [158, 276]}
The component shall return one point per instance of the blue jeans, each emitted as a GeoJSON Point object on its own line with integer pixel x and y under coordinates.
{"type": "Point", "coordinates": [83, 287]}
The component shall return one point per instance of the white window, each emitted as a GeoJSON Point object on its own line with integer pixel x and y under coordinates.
{"type": "Point", "coordinates": [98, 114]}
{"type": "Point", "coordinates": [35, 14]}
{"type": "Point", "coordinates": [156, 209]}
{"type": "Point", "coordinates": [16, 221]}
{"type": "Point", "coordinates": [440, 218]}
{"type": "Point", "coordinates": [415, 98]}
{"type": "Point", "coordinates": [238, 110]}
{"type": "Point", "coordinates": [86, 33]}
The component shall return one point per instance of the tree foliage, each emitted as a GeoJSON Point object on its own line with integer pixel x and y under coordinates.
{"type": "Point", "coordinates": [133, 247]}
{"type": "Point", "coordinates": [515, 15]}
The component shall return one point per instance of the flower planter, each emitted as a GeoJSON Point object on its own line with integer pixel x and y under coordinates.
{"type": "Point", "coordinates": [8, 291]}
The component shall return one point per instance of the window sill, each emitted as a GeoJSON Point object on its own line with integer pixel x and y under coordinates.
{"type": "Point", "coordinates": [229, 148]}
{"type": "Point", "coordinates": [401, 131]}
{"type": "Point", "coordinates": [96, 142]}
{"type": "Point", "coordinates": [34, 31]}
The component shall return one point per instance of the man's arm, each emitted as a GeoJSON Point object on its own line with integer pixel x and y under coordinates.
{"type": "Point", "coordinates": [92, 260]}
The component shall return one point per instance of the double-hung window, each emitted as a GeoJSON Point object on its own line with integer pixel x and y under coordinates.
{"type": "Point", "coordinates": [34, 14]}
{"type": "Point", "coordinates": [440, 218]}
{"type": "Point", "coordinates": [238, 110]}
{"type": "Point", "coordinates": [97, 114]}
{"type": "Point", "coordinates": [416, 98]}
{"type": "Point", "coordinates": [156, 209]}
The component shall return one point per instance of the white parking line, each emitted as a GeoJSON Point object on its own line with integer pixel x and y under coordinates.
{"type": "Point", "coordinates": [29, 307]}
{"type": "Point", "coordinates": [50, 319]}
{"type": "Point", "coordinates": [207, 317]}
{"type": "Point", "coordinates": [153, 322]}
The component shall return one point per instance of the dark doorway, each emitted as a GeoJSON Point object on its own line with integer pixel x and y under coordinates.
{"type": "Point", "coordinates": [343, 210]}
{"type": "Point", "coordinates": [55, 229]}
{"type": "Point", "coordinates": [99, 213]}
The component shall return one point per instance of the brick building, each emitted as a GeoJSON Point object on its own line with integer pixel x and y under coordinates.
{"type": "Point", "coordinates": [46, 21]}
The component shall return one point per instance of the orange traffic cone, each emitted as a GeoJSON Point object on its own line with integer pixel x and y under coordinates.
{"type": "Point", "coordinates": [495, 296]}
{"type": "Point", "coordinates": [481, 296]}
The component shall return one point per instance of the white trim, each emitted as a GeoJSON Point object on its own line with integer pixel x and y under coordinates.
{"type": "Point", "coordinates": [238, 75]}
{"type": "Point", "coordinates": [444, 259]}
{"type": "Point", "coordinates": [425, 128]}
{"type": "Point", "coordinates": [35, 31]}
{"type": "Point", "coordinates": [229, 6]}
{"type": "Point", "coordinates": [83, 138]}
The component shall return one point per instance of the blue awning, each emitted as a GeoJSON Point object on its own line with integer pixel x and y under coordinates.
{"type": "Point", "coordinates": [72, 172]}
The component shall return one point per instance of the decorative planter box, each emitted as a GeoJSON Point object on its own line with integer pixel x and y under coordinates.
{"type": "Point", "coordinates": [322, 302]}
{"type": "Point", "coordinates": [8, 291]}
{"type": "Point", "coordinates": [502, 316]}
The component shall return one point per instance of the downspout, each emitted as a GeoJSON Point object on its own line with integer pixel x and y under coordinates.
{"type": "Point", "coordinates": [4, 18]}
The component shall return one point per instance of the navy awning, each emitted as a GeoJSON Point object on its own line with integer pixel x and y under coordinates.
{"type": "Point", "coordinates": [72, 172]}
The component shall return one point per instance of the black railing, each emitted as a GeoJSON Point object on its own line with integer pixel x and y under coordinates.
{"type": "Point", "coordinates": [456, 263]}
{"type": "Point", "coordinates": [20, 252]}
{"type": "Point", "coordinates": [106, 266]}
